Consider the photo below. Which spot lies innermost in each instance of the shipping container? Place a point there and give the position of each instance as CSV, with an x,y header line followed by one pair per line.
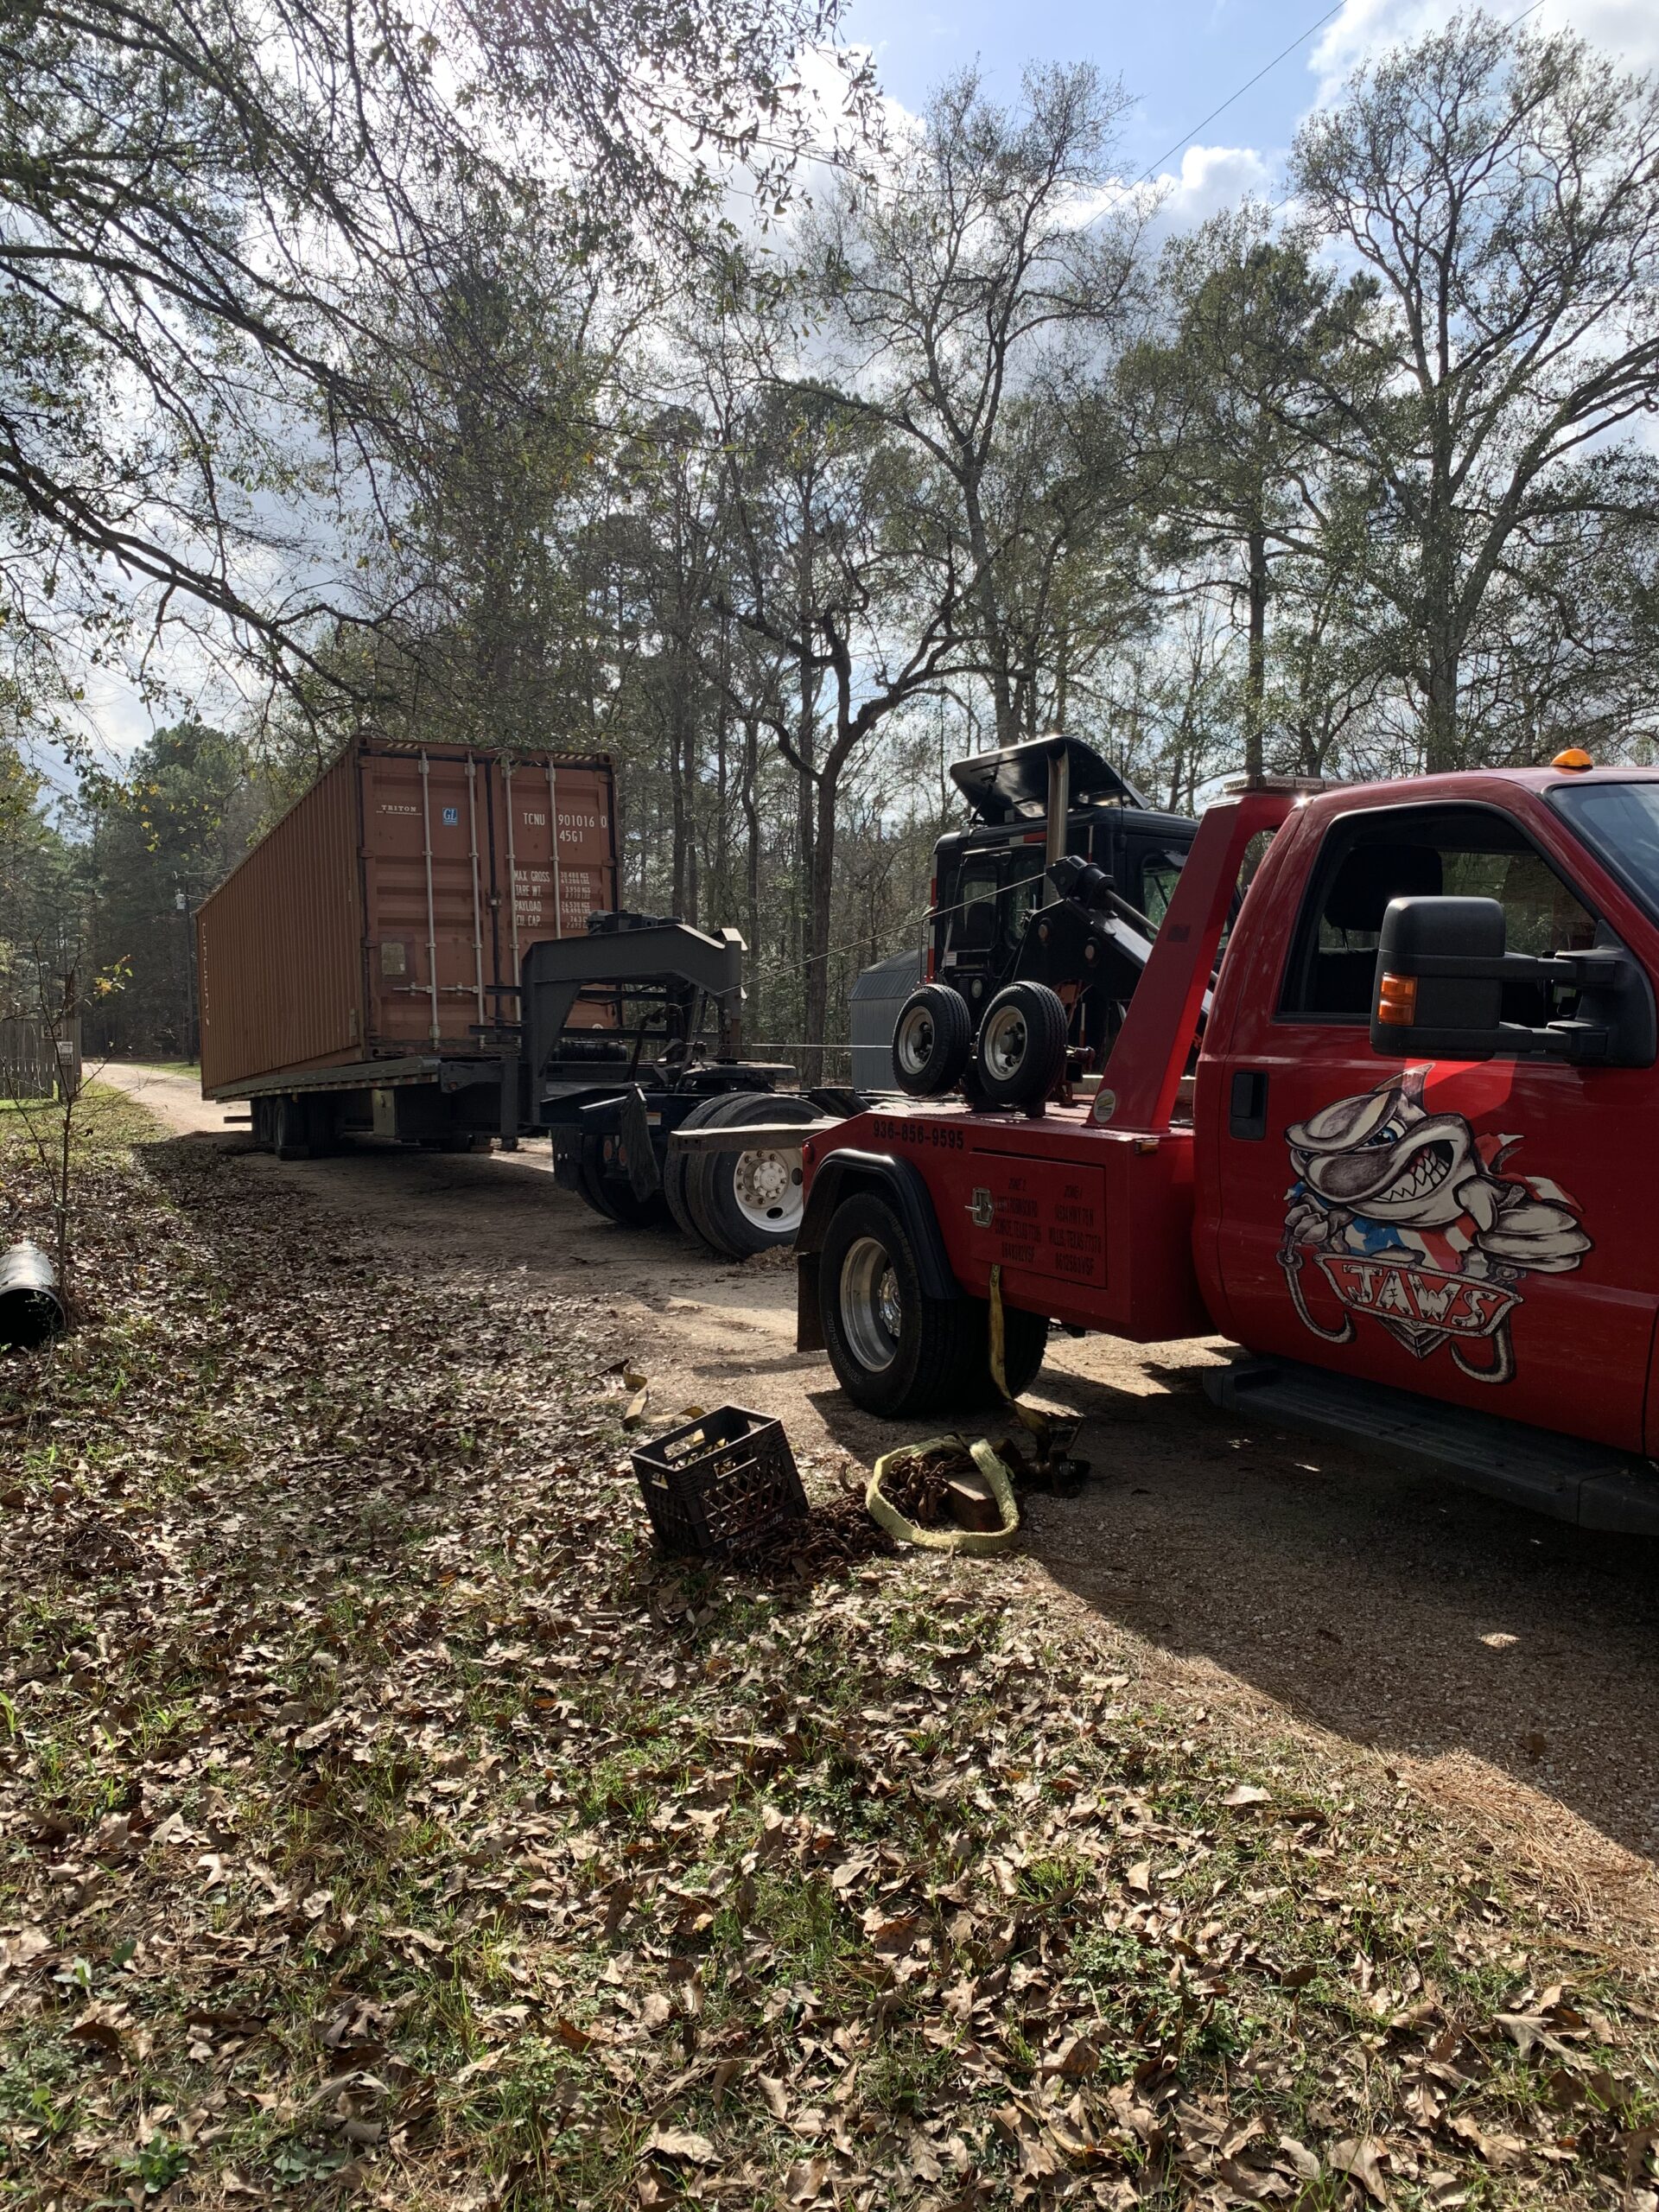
x,y
384,917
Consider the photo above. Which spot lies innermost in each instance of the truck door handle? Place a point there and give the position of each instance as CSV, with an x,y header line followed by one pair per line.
x,y
1246,1114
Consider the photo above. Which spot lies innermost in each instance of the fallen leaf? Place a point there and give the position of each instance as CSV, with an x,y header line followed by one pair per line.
x,y
681,2146
1076,2060
1360,2157
93,2027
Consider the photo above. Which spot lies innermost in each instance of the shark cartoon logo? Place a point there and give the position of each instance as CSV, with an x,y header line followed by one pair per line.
x,y
1410,1220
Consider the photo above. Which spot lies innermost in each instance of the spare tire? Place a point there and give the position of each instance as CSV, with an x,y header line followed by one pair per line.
x,y
932,1041
748,1202
1020,1054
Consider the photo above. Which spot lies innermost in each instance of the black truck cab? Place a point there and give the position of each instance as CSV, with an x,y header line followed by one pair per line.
x,y
992,886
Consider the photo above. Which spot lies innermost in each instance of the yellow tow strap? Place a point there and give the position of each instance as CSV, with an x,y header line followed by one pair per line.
x,y
1037,1423
949,1540
989,1462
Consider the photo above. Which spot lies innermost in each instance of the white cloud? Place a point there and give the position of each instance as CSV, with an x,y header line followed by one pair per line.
x,y
1626,29
1211,178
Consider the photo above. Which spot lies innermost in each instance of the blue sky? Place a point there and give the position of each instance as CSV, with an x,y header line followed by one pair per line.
x,y
1183,58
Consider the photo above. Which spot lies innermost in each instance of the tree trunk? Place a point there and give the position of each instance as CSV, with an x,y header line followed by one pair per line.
x,y
820,917
721,890
990,616
676,810
1442,746
1255,680
1442,738
752,829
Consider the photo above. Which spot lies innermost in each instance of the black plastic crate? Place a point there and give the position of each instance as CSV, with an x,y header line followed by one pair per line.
x,y
720,1483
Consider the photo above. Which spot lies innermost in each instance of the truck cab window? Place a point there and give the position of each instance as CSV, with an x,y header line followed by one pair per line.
x,y
977,890
1159,872
1027,889
1467,853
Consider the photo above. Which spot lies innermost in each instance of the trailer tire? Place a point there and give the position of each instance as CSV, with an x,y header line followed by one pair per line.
x,y
895,1351
677,1167
1021,1055
750,1202
613,1195
931,1041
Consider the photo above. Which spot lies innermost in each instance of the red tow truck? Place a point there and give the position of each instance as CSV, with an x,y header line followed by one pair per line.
x,y
1382,1111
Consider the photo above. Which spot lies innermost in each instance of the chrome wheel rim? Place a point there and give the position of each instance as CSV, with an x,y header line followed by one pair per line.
x,y
766,1190
872,1314
1003,1047
915,1041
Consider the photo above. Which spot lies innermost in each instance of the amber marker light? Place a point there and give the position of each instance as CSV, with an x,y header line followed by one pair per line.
x,y
1396,1001
1574,760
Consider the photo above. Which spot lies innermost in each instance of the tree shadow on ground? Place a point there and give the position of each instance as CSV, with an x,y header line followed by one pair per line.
x,y
1378,1600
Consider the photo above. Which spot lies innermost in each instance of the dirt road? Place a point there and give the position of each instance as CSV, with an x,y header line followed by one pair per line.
x,y
1503,1664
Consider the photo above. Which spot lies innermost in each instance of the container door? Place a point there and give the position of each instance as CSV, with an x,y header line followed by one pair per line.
x,y
426,867
555,853
1463,1230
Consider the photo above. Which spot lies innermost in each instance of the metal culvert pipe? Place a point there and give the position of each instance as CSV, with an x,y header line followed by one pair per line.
x,y
31,1306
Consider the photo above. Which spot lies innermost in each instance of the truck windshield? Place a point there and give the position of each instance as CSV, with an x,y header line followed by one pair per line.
x,y
1620,824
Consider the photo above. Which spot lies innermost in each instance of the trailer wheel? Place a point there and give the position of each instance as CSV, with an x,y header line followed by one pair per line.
x,y
1022,1055
932,1041
749,1202
895,1351
613,1195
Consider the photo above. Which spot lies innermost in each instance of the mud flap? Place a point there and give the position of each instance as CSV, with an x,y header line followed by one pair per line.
x,y
638,1153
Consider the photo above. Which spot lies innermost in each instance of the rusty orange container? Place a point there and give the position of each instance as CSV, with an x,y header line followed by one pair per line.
x,y
381,917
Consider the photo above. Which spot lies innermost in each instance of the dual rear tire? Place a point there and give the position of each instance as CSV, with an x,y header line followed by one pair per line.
x,y
740,1202
736,1203
895,1350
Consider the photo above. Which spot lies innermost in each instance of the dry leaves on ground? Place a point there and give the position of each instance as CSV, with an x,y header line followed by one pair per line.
x,y
380,1817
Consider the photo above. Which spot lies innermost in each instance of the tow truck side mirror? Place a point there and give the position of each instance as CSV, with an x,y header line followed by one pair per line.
x,y
1438,993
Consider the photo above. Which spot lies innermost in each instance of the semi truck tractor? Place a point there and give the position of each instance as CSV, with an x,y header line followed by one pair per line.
x,y
1380,1111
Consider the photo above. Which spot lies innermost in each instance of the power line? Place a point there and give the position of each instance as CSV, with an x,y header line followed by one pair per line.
x,y
1301,39
1152,169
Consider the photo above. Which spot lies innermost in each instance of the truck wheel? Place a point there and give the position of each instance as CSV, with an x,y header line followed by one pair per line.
x,y
1021,1055
932,1041
677,1166
895,1350
749,1202
613,1195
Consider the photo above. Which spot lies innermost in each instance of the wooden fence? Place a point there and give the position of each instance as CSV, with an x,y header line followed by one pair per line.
x,y
38,1058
